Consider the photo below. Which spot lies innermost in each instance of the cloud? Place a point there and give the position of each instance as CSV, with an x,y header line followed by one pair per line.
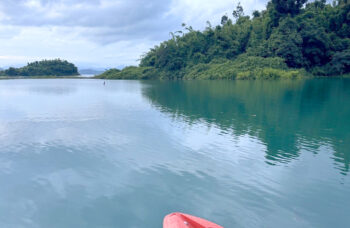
x,y
197,12
7,32
114,19
101,32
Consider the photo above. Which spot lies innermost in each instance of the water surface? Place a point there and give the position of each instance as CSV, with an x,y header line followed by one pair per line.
x,y
76,153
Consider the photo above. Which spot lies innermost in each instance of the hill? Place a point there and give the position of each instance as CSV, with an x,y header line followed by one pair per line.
x,y
90,71
55,67
290,38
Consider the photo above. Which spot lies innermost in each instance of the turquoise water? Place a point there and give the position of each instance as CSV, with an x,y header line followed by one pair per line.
x,y
75,153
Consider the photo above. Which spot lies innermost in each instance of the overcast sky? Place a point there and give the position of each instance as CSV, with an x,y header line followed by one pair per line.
x,y
99,33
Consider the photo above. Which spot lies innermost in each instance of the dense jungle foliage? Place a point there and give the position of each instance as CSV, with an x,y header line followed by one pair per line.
x,y
288,39
55,67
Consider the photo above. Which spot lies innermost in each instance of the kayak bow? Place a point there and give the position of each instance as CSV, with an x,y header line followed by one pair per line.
x,y
180,220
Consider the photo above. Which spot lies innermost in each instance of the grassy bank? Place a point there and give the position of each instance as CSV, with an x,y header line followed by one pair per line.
x,y
244,67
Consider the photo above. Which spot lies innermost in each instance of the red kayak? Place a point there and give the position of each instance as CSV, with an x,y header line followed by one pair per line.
x,y
180,220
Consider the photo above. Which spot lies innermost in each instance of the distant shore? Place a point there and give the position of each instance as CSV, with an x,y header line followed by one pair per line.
x,y
44,77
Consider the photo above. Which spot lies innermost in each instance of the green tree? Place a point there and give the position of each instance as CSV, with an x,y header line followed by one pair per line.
x,y
286,42
285,7
224,19
316,44
238,12
256,14
340,63
12,71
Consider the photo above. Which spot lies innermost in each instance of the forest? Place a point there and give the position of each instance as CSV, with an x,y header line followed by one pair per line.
x,y
54,67
289,39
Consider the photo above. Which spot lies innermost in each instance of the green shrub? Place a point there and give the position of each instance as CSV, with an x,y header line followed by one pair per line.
x,y
245,75
243,67
269,73
131,72
109,74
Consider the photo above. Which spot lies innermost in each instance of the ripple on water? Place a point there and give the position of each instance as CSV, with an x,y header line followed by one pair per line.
x,y
128,153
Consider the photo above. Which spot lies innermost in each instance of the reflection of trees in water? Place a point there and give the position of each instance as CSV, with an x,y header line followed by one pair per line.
x,y
279,113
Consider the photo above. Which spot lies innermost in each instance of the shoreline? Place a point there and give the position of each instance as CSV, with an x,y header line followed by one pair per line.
x,y
303,77
347,76
44,77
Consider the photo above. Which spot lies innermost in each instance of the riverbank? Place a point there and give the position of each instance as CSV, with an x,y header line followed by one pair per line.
x,y
244,67
263,74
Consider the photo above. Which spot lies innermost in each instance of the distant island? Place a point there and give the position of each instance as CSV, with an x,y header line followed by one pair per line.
x,y
289,39
43,68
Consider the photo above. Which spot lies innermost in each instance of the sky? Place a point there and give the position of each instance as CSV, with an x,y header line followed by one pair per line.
x,y
100,33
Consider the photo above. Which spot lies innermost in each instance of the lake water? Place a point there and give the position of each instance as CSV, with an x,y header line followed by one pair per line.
x,y
76,153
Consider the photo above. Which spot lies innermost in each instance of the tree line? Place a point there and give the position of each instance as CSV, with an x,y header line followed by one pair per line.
x,y
304,38
54,67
